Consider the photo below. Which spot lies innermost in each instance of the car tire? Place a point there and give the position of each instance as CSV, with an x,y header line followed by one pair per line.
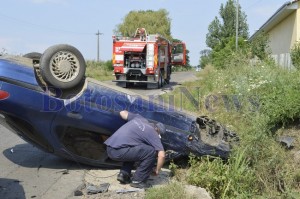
x,y
35,56
62,66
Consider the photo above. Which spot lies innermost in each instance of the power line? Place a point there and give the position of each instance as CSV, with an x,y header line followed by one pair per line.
x,y
41,26
253,4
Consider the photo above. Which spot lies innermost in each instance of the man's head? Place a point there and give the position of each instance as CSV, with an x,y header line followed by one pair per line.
x,y
160,128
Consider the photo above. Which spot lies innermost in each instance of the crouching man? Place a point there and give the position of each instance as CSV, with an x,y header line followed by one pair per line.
x,y
137,140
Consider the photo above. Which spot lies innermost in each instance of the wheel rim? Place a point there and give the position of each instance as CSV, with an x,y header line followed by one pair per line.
x,y
64,66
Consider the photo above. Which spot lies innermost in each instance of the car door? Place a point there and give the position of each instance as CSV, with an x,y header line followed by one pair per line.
x,y
84,122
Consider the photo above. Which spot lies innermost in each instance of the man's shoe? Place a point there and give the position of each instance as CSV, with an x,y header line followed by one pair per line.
x,y
140,185
123,178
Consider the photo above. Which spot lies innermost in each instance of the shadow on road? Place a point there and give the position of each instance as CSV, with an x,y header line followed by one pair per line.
x,y
170,87
144,86
26,155
11,188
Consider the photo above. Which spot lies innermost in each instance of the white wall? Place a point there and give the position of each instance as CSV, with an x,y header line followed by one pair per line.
x,y
282,37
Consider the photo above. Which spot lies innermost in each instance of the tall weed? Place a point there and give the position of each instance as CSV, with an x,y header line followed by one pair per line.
x,y
223,180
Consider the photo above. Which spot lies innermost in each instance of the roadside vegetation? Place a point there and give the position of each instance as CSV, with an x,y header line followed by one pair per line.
x,y
260,102
295,55
101,71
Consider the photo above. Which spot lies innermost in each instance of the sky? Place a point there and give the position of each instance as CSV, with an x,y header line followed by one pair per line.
x,y
34,25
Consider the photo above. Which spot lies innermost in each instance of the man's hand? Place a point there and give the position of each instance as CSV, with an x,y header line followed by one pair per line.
x,y
154,172
124,115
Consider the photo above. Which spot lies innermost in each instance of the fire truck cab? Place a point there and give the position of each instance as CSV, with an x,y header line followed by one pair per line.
x,y
146,59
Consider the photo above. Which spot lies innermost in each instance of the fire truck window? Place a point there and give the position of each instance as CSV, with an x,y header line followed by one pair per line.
x,y
177,49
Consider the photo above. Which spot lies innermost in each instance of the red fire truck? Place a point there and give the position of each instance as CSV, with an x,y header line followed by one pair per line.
x,y
146,59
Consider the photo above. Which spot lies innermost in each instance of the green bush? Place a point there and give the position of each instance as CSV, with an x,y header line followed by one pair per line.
x,y
223,57
108,65
295,55
260,46
223,180
205,58
99,70
181,68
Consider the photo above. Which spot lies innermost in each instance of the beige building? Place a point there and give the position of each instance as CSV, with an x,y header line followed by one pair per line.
x,y
283,28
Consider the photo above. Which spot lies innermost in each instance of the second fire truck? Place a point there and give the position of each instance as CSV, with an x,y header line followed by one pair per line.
x,y
146,59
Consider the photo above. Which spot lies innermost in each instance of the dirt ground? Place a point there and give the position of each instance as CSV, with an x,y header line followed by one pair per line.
x,y
96,177
120,191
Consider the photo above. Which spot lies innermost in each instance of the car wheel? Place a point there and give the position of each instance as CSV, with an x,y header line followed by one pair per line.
x,y
62,66
35,56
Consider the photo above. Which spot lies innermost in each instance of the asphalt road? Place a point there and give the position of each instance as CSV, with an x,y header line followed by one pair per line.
x,y
177,78
27,172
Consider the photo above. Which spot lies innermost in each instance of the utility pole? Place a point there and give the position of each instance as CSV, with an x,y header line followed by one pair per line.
x,y
237,25
98,50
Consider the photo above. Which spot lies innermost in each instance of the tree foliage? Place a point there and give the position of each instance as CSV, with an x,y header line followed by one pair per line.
x,y
260,46
153,21
295,55
227,56
221,36
219,31
205,57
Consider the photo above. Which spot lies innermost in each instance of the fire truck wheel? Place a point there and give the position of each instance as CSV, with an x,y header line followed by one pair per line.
x,y
156,85
121,84
62,66
169,71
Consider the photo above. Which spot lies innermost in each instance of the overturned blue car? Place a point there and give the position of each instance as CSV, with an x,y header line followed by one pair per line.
x,y
47,100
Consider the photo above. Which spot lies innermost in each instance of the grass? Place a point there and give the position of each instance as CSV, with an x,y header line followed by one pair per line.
x,y
260,102
174,190
99,71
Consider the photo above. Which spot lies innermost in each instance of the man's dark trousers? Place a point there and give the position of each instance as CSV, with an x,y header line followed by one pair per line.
x,y
144,154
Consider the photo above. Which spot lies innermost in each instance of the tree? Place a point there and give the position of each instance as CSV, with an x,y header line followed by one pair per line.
x,y
295,55
220,32
260,46
153,21
213,37
205,57
227,56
